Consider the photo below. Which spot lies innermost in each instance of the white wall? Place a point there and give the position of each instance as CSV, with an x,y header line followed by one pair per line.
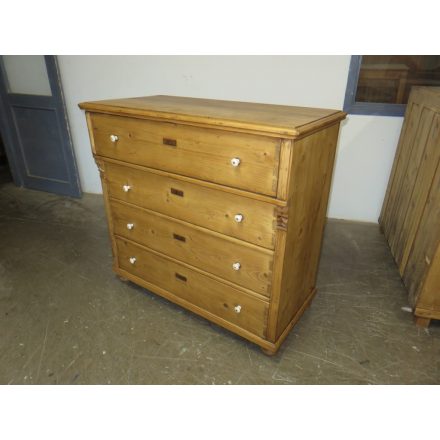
x,y
367,144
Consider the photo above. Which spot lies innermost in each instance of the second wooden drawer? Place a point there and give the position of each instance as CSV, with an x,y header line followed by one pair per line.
x,y
241,217
238,262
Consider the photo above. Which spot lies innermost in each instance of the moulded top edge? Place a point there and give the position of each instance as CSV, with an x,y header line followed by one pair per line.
x,y
280,120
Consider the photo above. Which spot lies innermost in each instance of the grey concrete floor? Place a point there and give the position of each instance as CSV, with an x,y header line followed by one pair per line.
x,y
66,319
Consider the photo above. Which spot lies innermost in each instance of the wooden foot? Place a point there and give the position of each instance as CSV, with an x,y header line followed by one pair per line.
x,y
122,278
422,322
268,352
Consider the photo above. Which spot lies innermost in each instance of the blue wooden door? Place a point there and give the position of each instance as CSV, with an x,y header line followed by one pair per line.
x,y
34,125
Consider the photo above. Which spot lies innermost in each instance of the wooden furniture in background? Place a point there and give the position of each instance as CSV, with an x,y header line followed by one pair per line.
x,y
218,206
384,83
410,217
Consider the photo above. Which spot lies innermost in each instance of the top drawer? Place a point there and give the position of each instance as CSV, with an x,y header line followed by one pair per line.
x,y
234,159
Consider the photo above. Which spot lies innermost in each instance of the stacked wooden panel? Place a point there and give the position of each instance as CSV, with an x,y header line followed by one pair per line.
x,y
410,217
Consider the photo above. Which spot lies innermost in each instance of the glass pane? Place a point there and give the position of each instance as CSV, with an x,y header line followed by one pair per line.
x,y
388,78
27,74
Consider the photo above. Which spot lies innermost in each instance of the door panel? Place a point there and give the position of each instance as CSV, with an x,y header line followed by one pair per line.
x,y
34,125
44,160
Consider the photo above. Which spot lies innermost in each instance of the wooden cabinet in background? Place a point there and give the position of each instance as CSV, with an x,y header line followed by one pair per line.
x,y
218,206
410,217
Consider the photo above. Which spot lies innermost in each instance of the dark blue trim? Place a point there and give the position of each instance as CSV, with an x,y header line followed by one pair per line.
x,y
353,76
365,108
63,124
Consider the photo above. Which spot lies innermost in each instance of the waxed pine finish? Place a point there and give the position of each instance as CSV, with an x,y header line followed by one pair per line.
x,y
218,206
410,217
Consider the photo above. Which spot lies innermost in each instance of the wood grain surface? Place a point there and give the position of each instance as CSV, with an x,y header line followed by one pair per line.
x,y
269,119
210,251
173,197
410,216
191,151
194,287
195,204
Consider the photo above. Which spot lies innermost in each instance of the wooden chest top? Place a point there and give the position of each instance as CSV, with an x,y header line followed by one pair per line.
x,y
276,120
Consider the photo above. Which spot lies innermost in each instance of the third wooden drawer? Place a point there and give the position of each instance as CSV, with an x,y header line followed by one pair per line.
x,y
241,263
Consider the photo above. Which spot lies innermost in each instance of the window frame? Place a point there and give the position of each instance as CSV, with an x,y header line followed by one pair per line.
x,y
366,108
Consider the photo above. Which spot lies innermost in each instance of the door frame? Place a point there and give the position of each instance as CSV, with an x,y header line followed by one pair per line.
x,y
9,135
6,134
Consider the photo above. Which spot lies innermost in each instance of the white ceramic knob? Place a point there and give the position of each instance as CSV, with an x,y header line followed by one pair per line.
x,y
238,218
236,266
235,162
114,138
132,260
130,226
126,188
237,309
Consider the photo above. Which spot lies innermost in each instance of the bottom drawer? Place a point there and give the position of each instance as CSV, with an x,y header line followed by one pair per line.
x,y
237,307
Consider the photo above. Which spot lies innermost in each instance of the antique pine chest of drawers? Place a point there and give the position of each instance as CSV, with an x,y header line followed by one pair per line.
x,y
218,206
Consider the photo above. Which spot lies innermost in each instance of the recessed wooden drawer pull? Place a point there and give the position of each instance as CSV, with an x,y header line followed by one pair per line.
x,y
179,237
177,192
238,218
237,309
235,162
170,142
236,266
126,188
114,138
132,260
180,277
130,226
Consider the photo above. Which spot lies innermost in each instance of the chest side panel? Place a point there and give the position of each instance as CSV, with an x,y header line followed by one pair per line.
x,y
299,236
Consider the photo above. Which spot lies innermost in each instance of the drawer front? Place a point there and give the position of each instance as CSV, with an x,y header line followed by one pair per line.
x,y
245,265
201,153
206,207
200,290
